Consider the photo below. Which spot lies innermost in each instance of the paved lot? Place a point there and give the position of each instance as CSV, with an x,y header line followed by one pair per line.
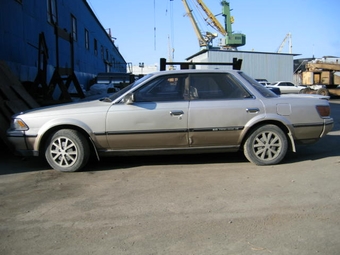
x,y
210,204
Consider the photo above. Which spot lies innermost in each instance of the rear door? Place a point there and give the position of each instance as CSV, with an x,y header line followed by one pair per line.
x,y
156,119
221,110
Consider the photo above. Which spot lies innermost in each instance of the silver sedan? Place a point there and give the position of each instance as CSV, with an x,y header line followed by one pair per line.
x,y
186,111
287,87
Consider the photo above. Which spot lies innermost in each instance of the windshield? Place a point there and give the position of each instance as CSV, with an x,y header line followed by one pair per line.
x,y
127,88
259,87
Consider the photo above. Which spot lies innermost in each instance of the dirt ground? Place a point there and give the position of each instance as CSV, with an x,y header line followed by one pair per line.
x,y
198,204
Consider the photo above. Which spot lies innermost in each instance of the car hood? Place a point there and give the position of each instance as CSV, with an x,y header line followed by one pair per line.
x,y
68,109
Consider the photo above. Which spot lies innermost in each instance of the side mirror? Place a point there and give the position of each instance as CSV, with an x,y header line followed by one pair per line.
x,y
129,98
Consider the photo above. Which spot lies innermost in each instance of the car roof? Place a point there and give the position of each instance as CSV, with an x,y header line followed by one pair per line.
x,y
282,81
184,71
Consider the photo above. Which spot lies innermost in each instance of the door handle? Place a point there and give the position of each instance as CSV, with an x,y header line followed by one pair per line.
x,y
176,113
252,110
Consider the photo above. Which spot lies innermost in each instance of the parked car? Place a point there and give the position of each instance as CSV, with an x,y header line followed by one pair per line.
x,y
276,90
185,111
261,80
286,87
264,83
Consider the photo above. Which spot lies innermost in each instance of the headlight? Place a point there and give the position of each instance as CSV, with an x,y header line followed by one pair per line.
x,y
18,124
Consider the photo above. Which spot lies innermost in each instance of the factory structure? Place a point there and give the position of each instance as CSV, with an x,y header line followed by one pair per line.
x,y
51,52
56,48
258,65
56,45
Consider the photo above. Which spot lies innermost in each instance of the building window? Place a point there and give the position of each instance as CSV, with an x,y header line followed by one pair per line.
x,y
74,27
102,51
52,11
95,45
87,39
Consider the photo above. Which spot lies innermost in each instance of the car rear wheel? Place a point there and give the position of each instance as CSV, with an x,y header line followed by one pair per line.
x,y
266,145
67,150
323,92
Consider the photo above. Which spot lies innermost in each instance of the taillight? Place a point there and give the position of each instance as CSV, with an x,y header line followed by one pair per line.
x,y
323,110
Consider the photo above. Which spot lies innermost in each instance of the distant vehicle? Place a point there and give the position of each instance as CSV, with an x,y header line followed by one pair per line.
x,y
287,87
174,112
261,80
265,83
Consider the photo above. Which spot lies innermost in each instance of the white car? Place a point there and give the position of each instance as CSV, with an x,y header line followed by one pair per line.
x,y
287,87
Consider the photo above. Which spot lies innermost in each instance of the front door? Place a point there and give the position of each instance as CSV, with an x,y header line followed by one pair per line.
x,y
156,119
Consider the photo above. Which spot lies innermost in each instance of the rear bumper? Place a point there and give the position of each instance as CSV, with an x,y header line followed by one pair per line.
x,y
328,126
307,134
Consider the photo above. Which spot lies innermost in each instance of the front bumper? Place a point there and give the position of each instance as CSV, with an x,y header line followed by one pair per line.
x,y
23,144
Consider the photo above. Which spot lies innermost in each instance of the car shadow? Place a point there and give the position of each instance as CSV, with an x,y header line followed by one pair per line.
x,y
324,148
126,162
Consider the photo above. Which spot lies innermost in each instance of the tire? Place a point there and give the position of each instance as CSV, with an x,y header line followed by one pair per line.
x,y
323,92
303,91
266,145
67,159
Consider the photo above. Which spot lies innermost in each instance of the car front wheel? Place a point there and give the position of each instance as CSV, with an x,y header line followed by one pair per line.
x,y
266,145
67,150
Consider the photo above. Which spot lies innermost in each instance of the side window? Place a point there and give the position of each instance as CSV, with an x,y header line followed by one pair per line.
x,y
217,86
167,88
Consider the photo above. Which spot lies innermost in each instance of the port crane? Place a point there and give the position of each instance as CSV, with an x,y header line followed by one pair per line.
x,y
204,40
231,40
289,38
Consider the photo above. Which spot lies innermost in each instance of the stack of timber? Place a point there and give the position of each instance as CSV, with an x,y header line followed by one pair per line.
x,y
13,99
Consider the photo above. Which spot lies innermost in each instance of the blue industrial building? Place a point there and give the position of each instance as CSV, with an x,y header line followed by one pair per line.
x,y
42,41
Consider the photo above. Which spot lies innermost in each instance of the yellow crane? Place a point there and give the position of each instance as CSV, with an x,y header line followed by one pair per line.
x,y
231,40
204,40
211,16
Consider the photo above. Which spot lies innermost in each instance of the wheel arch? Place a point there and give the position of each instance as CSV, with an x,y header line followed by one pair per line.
x,y
44,137
277,123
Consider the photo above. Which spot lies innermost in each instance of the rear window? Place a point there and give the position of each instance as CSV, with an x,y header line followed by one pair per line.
x,y
259,87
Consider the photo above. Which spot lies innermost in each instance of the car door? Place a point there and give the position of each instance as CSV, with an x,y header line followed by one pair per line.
x,y
219,114
157,118
287,87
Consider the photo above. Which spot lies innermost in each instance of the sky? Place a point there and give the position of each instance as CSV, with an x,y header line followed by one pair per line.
x,y
147,30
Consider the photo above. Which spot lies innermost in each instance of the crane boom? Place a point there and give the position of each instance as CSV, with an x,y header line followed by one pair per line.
x,y
212,17
204,41
288,37
231,40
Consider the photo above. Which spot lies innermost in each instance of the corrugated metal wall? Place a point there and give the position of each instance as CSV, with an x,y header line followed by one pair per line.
x,y
259,65
21,22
